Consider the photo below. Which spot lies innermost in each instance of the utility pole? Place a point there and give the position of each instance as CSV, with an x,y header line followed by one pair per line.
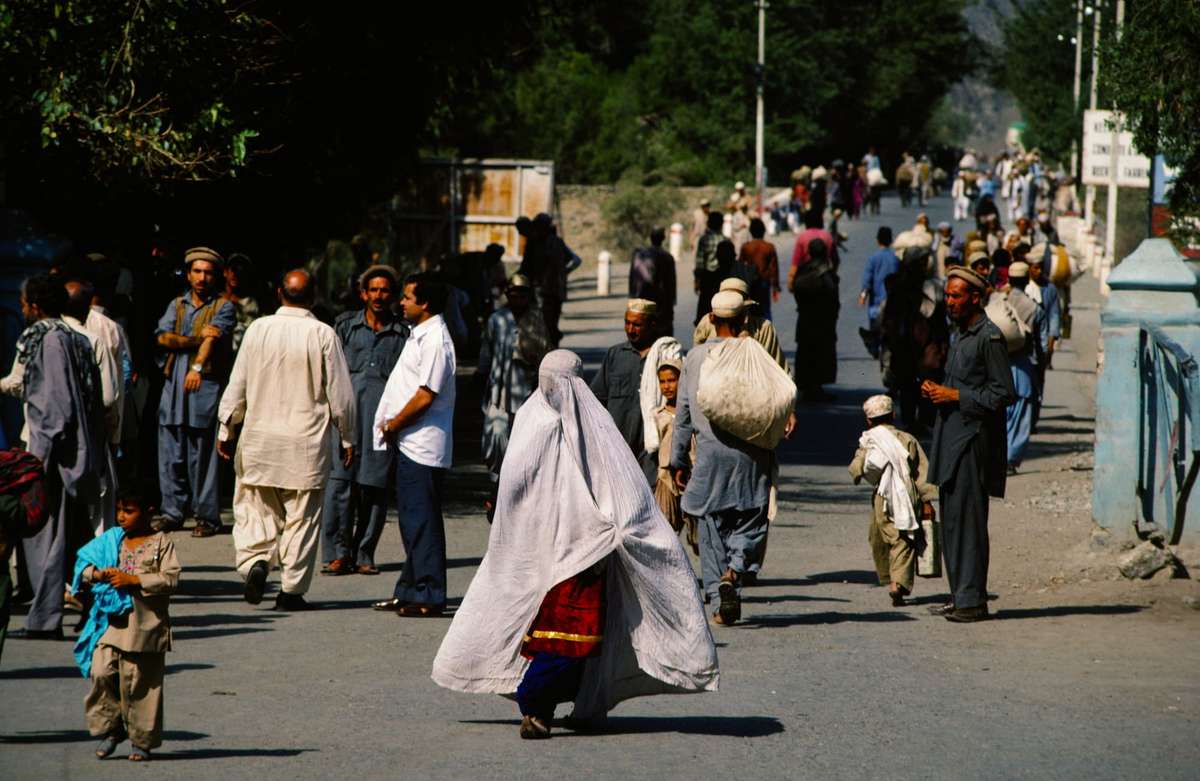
x,y
759,77
1110,224
1075,104
1089,203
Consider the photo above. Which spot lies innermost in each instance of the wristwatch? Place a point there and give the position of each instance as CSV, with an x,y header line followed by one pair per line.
x,y
197,367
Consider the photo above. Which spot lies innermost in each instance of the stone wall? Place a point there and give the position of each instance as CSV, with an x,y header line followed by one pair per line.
x,y
581,214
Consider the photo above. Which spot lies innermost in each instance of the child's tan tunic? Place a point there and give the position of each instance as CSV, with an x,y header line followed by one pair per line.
x,y
127,666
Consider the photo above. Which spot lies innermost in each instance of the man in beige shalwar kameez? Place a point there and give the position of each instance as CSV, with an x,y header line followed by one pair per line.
x,y
289,383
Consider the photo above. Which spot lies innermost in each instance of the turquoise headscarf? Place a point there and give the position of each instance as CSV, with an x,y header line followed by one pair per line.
x,y
101,553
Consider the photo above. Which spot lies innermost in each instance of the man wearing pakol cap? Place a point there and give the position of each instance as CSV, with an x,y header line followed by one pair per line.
x,y
652,276
1024,362
514,342
618,382
893,462
728,489
585,594
194,342
968,459
753,325
356,498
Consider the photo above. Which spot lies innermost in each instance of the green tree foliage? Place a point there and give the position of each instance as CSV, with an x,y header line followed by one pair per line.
x,y
679,105
635,210
1153,75
1038,70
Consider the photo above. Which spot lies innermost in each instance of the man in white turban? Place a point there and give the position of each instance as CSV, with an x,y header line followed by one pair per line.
x,y
585,593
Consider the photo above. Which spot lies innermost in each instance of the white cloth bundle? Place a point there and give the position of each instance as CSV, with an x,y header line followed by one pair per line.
x,y
651,399
571,493
1002,314
887,469
744,392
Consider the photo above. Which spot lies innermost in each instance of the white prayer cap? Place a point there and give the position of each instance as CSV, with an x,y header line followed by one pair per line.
x,y
740,186
673,362
878,406
728,304
642,306
1019,270
736,284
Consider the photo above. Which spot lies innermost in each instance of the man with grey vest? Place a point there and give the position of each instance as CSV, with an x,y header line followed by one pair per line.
x,y
968,460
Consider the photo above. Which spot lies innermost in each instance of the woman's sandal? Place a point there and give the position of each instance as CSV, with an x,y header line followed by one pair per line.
x,y
137,754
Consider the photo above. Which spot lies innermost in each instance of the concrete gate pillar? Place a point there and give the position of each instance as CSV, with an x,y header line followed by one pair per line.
x,y
1153,286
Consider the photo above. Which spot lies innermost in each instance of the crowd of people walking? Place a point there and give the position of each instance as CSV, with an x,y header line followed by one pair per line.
x,y
319,423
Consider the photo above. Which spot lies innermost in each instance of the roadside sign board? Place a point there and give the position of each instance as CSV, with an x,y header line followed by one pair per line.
x,y
1133,169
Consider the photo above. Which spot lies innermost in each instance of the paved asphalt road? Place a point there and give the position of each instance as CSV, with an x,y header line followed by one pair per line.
x,y
824,680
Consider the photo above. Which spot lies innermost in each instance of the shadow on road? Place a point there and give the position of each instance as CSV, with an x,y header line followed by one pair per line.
x,y
790,598
217,619
719,726
1068,610
200,634
36,673
80,735
220,753
827,617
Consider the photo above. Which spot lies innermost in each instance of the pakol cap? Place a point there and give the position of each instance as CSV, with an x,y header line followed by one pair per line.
x,y
878,406
967,275
728,304
642,306
978,256
378,270
203,253
1019,270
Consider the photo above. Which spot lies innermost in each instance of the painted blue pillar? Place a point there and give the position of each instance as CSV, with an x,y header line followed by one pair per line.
x,y
1154,286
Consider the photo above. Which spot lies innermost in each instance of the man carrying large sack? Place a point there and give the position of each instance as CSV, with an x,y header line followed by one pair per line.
x,y
729,487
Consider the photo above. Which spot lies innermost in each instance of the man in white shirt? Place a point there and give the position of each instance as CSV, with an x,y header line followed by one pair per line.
x,y
416,417
289,383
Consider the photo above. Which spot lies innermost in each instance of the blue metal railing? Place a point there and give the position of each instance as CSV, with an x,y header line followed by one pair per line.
x,y
1168,432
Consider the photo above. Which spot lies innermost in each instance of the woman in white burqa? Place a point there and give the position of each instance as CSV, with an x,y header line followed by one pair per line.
x,y
574,512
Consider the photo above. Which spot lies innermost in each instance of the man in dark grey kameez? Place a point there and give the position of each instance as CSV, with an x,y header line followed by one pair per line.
x,y
617,384
969,456
356,498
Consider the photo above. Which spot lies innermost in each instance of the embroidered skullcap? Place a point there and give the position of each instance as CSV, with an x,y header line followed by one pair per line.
x,y
878,406
736,284
967,275
378,270
642,306
675,363
519,282
1019,270
203,253
728,303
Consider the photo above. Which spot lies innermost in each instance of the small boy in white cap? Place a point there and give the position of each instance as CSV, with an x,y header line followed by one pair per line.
x,y
893,462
